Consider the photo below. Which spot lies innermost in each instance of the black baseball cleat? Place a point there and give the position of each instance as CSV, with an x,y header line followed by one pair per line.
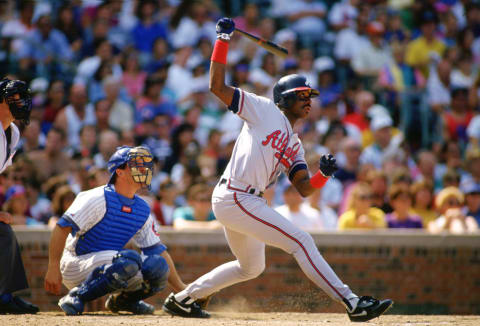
x,y
26,306
369,308
115,303
182,309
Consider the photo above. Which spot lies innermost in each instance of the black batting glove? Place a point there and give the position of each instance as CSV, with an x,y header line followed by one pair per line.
x,y
328,165
225,27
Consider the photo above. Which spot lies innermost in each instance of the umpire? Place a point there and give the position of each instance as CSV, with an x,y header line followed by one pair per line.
x,y
15,104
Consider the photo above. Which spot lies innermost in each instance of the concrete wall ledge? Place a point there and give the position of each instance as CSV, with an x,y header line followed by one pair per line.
x,y
380,238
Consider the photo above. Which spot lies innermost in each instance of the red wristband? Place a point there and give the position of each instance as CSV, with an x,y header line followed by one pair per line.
x,y
318,180
220,52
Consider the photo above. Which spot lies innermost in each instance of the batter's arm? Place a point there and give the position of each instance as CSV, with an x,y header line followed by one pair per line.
x,y
174,279
217,83
301,182
53,278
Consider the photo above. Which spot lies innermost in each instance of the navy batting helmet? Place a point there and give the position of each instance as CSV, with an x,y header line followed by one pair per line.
x,y
285,89
19,107
139,159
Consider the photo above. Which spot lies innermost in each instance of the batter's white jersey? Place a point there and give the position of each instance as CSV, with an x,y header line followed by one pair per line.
x,y
7,152
266,145
89,207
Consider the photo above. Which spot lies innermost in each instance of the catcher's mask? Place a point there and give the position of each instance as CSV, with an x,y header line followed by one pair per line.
x,y
18,98
139,160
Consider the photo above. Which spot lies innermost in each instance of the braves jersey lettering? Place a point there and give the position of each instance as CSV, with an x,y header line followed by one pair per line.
x,y
260,153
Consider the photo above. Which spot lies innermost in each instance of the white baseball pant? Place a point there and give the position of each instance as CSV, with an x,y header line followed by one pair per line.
x,y
249,224
75,269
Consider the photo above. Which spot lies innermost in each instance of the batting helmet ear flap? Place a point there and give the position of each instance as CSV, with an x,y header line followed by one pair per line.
x,y
287,100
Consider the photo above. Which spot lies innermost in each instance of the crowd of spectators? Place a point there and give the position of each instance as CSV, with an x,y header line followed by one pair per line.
x,y
398,106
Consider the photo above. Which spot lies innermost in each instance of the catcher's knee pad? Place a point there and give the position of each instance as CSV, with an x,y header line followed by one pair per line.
x,y
155,272
125,265
108,278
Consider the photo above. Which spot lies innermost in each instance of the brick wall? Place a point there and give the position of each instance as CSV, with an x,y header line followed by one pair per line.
x,y
421,273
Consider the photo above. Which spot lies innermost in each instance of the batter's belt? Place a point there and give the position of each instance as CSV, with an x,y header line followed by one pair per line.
x,y
239,186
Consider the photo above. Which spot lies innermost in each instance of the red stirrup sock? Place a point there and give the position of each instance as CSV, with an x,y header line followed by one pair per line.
x,y
220,52
318,180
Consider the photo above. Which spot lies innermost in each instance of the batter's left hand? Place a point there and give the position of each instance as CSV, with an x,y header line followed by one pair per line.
x,y
328,165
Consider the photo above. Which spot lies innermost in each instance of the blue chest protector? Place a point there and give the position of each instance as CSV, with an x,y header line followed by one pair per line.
x,y
122,220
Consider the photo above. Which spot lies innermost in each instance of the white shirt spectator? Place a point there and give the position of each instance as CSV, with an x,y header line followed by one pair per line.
x,y
178,79
312,26
438,93
88,66
347,43
188,32
370,58
473,129
75,124
307,218
459,79
343,13
332,193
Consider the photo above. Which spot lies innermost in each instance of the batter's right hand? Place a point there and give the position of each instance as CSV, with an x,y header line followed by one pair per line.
x,y
328,165
53,281
225,27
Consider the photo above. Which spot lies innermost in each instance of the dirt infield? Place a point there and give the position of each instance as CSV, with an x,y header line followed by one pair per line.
x,y
229,318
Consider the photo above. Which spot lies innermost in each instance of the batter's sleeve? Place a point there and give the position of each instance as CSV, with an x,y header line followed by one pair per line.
x,y
147,238
250,107
87,209
298,161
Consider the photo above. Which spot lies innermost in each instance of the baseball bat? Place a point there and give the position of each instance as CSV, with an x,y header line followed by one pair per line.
x,y
267,45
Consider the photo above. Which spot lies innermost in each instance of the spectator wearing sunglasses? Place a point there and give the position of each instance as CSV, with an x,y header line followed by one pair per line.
x,y
360,212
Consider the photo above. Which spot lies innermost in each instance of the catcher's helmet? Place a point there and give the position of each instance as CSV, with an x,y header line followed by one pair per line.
x,y
139,159
285,89
19,107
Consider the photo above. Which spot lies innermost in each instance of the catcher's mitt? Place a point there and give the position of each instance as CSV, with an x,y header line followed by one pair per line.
x,y
203,302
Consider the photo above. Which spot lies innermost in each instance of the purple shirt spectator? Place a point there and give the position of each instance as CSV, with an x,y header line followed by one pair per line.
x,y
412,222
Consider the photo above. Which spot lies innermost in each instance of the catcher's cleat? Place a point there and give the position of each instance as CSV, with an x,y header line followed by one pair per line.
x,y
71,304
369,308
182,309
115,303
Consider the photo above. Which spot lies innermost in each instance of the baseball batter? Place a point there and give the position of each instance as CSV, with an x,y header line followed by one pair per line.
x,y
266,147
15,103
92,234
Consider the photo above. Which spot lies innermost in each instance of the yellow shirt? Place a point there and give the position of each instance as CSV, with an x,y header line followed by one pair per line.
x,y
349,221
426,215
418,53
368,138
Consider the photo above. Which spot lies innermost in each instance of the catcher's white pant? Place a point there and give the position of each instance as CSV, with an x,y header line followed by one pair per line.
x,y
75,269
249,224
